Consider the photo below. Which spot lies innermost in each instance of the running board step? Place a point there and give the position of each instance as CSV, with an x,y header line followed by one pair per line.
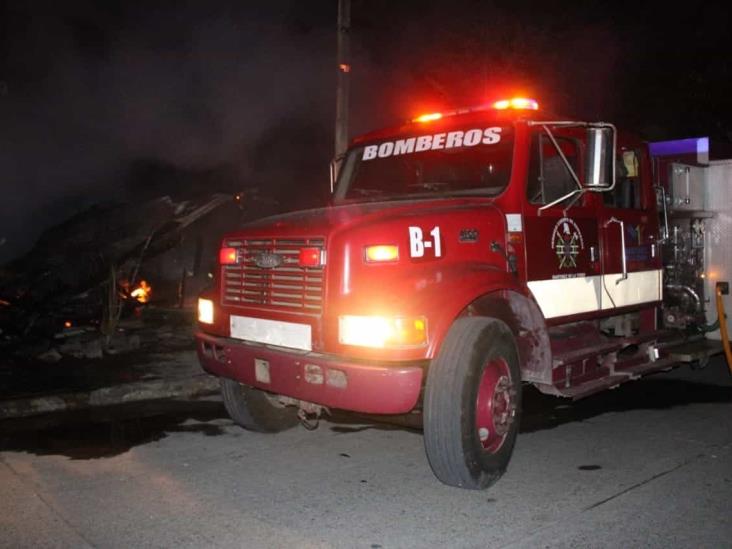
x,y
611,381
601,348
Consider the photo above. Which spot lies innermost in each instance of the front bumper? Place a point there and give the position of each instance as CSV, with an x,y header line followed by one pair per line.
x,y
326,380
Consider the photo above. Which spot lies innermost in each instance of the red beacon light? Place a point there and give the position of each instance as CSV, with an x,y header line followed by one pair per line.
x,y
310,257
228,256
518,103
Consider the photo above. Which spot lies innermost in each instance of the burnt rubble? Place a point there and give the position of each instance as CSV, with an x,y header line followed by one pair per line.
x,y
73,294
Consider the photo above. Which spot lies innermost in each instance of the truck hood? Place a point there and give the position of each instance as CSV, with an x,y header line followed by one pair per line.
x,y
321,221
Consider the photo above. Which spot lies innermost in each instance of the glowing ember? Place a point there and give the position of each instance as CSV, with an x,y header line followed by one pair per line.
x,y
142,292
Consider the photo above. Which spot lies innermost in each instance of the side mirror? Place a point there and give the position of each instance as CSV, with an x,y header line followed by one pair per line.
x,y
600,157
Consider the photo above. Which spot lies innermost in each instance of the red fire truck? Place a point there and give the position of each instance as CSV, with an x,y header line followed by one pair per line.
x,y
462,254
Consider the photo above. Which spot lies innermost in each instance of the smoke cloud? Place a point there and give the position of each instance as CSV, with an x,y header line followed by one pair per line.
x,y
91,89
101,98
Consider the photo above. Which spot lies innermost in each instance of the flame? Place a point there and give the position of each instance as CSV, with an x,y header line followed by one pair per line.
x,y
142,292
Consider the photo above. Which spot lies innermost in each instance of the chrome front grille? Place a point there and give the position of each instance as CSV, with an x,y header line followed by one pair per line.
x,y
286,287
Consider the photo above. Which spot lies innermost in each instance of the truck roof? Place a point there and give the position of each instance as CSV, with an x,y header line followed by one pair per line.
x,y
484,114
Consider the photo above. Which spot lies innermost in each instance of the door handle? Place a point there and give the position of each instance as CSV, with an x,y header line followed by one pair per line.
x,y
622,246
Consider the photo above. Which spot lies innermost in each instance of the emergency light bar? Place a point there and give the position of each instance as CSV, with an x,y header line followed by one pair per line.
x,y
518,103
428,117
515,103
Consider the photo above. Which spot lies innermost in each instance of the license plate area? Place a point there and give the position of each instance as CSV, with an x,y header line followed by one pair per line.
x,y
271,332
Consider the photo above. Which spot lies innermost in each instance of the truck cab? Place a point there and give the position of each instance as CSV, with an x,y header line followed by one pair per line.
x,y
462,255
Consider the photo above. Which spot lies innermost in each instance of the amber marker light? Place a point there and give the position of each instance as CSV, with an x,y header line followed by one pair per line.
x,y
428,117
518,103
381,253
205,311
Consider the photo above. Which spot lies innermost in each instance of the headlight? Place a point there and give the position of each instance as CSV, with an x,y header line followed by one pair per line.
x,y
205,311
382,332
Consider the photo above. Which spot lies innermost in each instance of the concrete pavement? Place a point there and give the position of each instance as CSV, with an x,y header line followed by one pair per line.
x,y
646,465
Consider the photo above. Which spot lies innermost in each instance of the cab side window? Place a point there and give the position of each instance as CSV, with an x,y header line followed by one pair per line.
x,y
627,191
549,177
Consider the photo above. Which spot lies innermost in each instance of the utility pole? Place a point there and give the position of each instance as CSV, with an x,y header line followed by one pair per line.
x,y
344,68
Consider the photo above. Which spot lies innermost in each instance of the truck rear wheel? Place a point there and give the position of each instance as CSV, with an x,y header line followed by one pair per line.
x,y
255,410
472,404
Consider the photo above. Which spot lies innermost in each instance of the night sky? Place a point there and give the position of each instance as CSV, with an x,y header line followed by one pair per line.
x,y
108,100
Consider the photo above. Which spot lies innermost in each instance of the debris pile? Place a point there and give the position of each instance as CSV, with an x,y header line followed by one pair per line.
x,y
83,288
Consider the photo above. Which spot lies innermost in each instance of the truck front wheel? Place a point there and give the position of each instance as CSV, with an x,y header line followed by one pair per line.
x,y
472,403
255,410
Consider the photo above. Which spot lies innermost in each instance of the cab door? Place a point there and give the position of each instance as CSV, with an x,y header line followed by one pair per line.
x,y
628,226
563,268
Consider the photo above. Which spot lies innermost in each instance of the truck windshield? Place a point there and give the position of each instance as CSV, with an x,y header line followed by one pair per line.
x,y
473,161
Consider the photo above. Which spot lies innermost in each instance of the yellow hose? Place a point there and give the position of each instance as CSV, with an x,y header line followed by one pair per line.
x,y
723,328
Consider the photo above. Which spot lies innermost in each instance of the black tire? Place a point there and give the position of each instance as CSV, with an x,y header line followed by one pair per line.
x,y
255,410
455,449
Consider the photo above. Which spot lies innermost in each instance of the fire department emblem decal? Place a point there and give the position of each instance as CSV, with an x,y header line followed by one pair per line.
x,y
567,242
